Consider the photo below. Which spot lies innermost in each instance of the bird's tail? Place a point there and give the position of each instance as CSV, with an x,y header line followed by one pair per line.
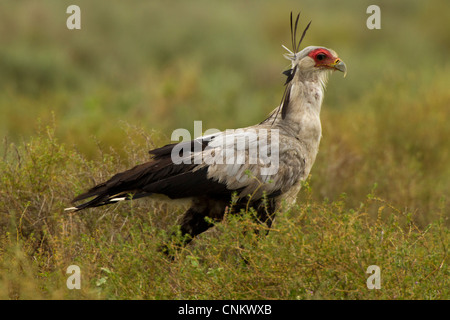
x,y
160,175
113,199
122,186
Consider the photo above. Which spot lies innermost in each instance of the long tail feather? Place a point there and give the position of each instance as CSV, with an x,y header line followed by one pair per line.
x,y
96,202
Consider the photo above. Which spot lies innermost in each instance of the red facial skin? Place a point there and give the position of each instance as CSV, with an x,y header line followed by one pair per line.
x,y
323,57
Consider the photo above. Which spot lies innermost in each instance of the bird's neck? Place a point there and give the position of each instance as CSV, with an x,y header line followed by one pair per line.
x,y
302,115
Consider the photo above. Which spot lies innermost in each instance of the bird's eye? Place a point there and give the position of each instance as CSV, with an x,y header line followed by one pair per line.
x,y
321,56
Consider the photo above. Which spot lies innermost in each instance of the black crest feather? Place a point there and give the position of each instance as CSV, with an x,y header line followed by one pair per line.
x,y
290,73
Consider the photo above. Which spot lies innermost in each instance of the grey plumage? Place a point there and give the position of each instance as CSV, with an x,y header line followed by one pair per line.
x,y
263,164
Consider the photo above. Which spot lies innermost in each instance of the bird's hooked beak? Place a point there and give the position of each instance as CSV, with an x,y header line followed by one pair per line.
x,y
338,64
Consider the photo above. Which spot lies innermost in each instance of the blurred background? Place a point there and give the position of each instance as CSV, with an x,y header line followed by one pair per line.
x,y
160,65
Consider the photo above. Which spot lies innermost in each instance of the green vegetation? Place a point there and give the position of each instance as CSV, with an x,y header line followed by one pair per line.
x,y
78,106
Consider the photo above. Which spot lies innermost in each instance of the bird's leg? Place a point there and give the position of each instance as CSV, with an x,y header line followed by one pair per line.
x,y
195,221
192,224
265,214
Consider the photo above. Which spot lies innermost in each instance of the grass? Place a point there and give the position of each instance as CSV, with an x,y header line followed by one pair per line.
x,y
317,250
89,103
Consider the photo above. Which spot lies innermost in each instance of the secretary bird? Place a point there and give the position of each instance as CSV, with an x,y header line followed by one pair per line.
x,y
263,165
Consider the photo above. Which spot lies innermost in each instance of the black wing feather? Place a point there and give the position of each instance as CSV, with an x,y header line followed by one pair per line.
x,y
160,176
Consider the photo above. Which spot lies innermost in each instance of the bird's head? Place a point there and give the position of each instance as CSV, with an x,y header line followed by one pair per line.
x,y
311,59
318,59
310,64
